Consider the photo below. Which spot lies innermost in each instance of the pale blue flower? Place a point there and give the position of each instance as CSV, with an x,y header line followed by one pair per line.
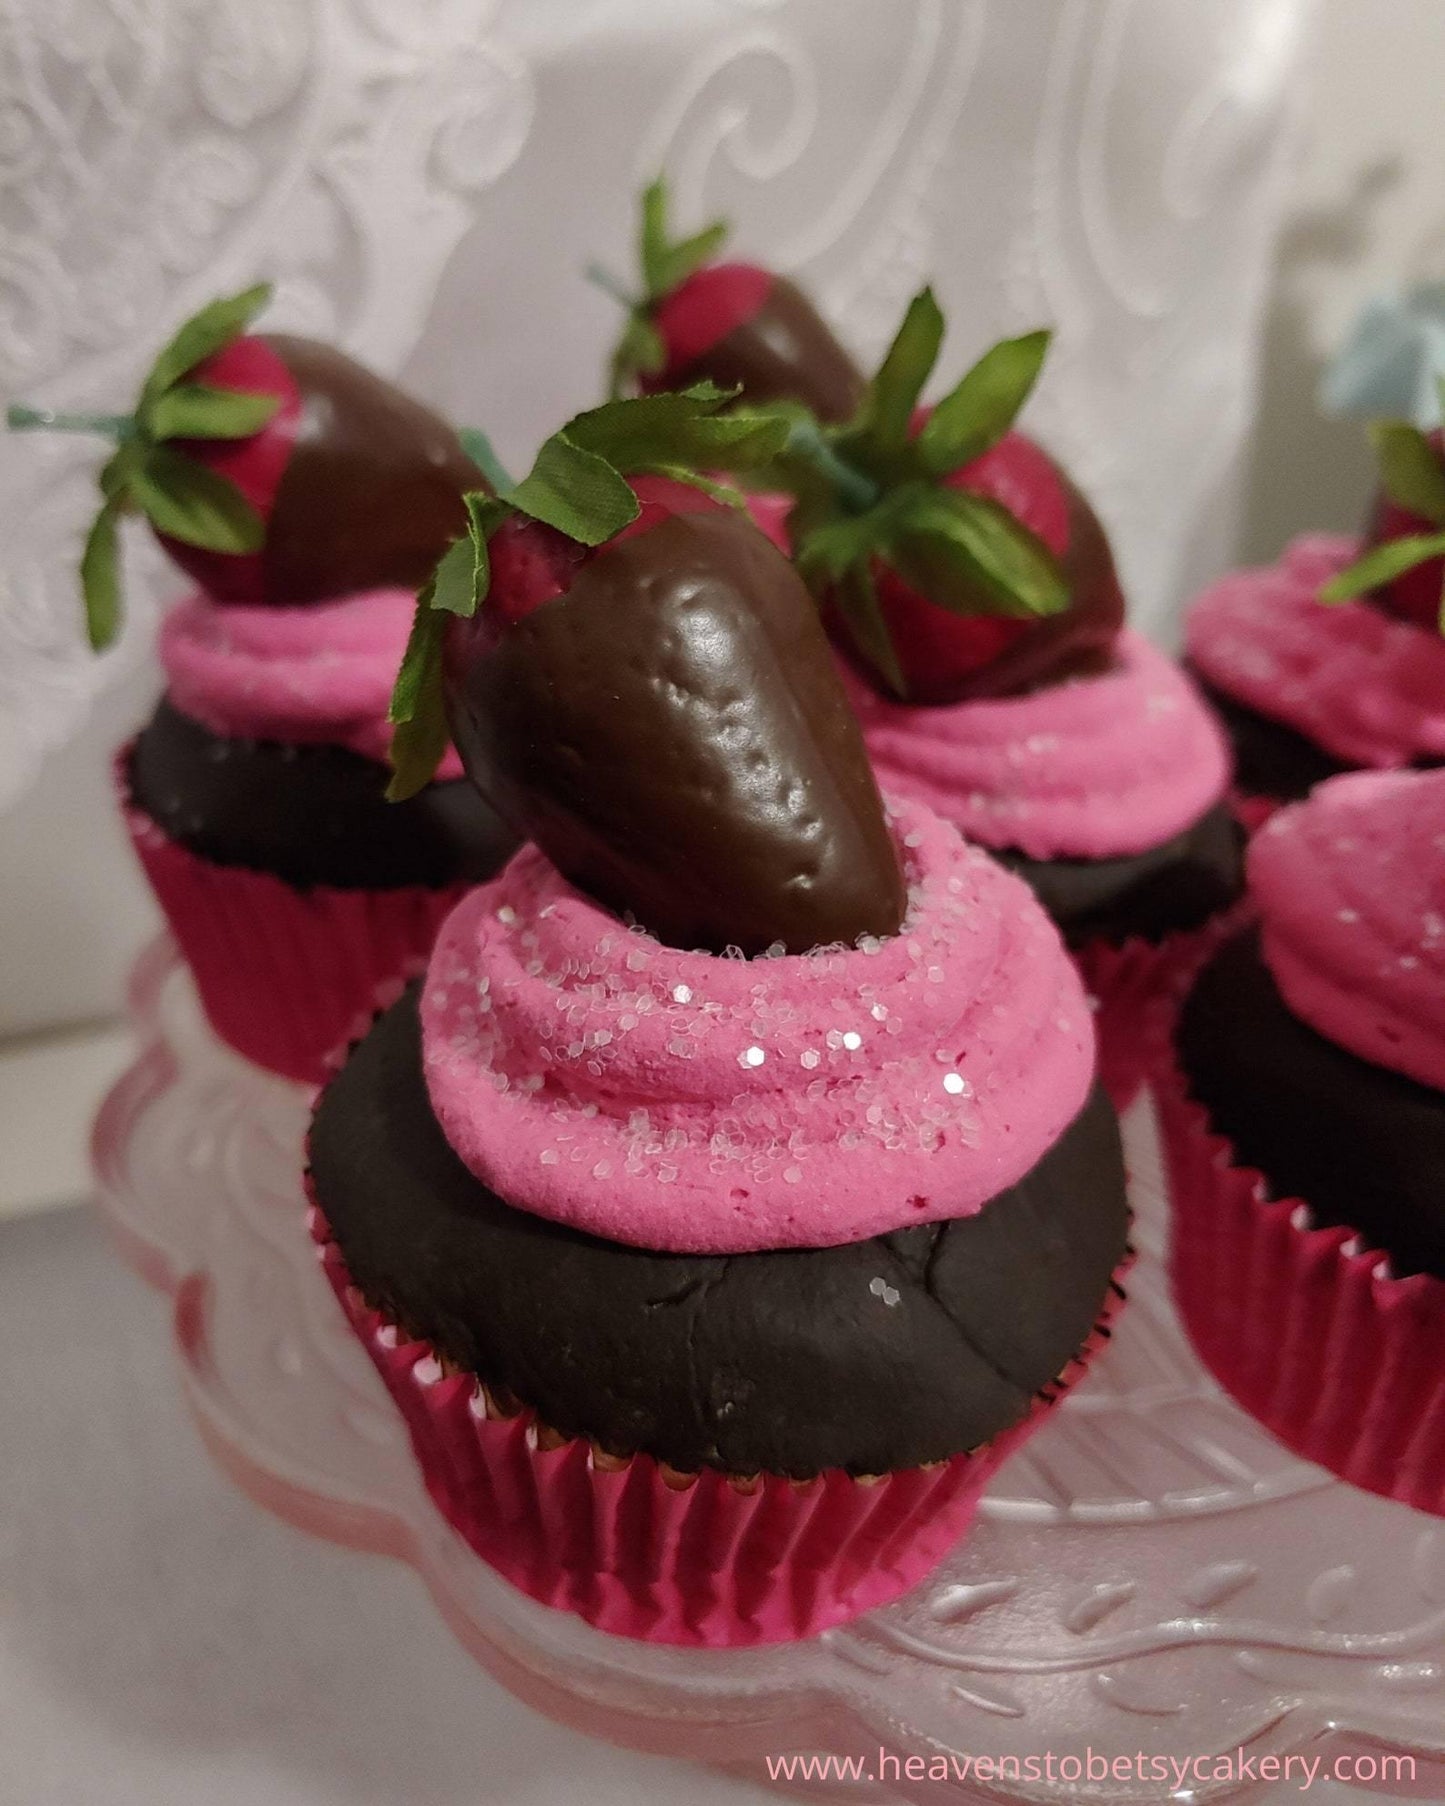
x,y
1390,365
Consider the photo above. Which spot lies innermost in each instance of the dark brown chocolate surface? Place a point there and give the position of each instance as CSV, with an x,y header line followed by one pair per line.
x,y
308,814
785,352
371,494
786,1362
1270,758
673,735
1172,887
1362,1146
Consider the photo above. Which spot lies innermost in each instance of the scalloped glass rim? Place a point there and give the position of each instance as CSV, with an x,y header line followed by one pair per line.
x,y
1153,1572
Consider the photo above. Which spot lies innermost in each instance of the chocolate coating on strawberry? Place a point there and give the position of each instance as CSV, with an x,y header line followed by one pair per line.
x,y
671,732
369,490
762,336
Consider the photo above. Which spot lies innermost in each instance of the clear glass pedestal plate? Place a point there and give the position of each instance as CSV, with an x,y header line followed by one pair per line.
x,y
1152,1577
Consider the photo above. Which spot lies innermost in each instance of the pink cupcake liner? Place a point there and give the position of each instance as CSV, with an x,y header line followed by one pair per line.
x,y
1303,1326
1135,987
637,1550
287,977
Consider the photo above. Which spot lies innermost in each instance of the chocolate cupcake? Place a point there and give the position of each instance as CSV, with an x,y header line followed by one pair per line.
x,y
734,1193
308,499
973,596
1305,1132
1331,659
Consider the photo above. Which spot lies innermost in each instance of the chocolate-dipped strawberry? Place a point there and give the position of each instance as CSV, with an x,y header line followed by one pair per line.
x,y
954,557
273,469
1402,569
735,324
637,679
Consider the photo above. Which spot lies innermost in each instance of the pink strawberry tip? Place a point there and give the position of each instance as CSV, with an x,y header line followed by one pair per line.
x,y
611,472
1412,475
876,494
149,474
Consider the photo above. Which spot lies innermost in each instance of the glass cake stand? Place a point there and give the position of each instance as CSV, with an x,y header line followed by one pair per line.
x,y
1152,1575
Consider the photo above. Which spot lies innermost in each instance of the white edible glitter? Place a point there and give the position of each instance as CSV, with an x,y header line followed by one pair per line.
x,y
682,993
852,1040
955,1084
752,1056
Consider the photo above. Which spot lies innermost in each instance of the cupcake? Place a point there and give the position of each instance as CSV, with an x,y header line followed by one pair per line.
x,y
1332,659
734,1193
307,499
1305,1137
737,325
973,597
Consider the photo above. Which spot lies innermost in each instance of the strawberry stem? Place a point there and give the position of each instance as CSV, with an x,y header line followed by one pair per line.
x,y
602,278
857,492
115,427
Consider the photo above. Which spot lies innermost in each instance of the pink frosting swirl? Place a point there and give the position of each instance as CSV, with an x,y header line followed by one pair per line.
x,y
1351,892
319,674
1097,768
681,1101
1367,688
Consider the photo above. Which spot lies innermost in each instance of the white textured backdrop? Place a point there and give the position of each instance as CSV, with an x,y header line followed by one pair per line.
x,y
425,180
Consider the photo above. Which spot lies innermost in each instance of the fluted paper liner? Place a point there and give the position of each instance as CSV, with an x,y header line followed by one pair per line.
x,y
1134,987
634,1549
286,976
1304,1327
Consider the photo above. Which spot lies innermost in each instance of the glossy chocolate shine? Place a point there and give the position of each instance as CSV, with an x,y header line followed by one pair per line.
x,y
672,734
784,352
371,495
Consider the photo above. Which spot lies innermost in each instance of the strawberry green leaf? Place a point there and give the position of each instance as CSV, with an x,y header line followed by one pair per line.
x,y
117,471
188,502
417,710
970,555
684,428
1410,468
977,414
464,573
640,352
100,575
576,491
857,602
204,333
887,410
197,411
688,255
727,493
824,554
1383,565
478,447
652,237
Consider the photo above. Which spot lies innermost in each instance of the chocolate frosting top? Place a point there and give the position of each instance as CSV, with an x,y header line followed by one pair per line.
x,y
673,735
371,493
783,352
